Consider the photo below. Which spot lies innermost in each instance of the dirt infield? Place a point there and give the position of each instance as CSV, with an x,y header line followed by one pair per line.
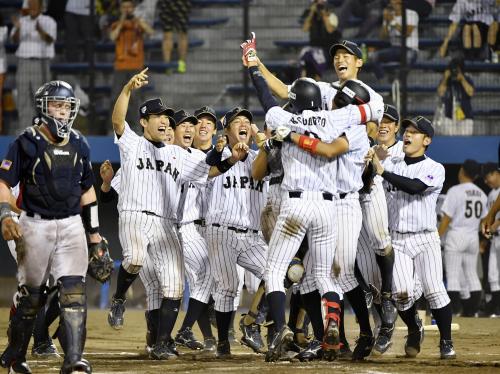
x,y
477,343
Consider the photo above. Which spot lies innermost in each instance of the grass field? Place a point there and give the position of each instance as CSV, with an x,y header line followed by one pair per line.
x,y
477,343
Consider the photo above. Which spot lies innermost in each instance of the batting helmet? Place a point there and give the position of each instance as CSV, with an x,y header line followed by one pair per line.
x,y
351,92
304,95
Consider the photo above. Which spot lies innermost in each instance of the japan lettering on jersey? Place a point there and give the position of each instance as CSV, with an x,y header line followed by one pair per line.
x,y
465,204
237,199
153,174
414,213
189,208
304,171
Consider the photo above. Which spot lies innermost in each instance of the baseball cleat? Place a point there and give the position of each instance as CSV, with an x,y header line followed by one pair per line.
x,y
364,345
19,368
446,350
414,340
383,341
187,339
389,311
223,350
312,352
251,336
278,347
163,351
331,341
115,315
210,345
345,352
80,366
44,348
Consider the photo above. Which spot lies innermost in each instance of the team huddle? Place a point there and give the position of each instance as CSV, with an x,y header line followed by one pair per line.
x,y
330,205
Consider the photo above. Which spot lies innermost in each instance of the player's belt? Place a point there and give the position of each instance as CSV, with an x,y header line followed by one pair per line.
x,y
235,229
200,222
342,195
298,194
150,213
276,180
43,216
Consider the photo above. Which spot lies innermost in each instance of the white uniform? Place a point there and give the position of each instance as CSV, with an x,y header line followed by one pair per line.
x,y
11,243
233,223
473,11
308,204
147,206
412,223
465,204
494,259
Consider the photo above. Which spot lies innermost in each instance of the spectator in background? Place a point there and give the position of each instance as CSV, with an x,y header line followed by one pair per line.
x,y
128,35
107,12
36,34
78,29
477,17
370,12
493,34
422,7
4,32
174,16
321,24
392,28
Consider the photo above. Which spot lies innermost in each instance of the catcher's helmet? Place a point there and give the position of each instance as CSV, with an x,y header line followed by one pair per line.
x,y
57,91
304,95
350,92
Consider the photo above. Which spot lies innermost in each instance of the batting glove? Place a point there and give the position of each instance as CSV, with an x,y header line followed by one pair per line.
x,y
249,49
282,134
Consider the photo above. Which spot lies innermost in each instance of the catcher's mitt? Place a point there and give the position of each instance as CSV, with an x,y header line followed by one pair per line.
x,y
100,262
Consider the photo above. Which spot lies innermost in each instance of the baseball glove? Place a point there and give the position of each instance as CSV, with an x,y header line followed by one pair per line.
x,y
100,262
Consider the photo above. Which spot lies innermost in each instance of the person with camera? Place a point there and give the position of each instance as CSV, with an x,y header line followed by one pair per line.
x,y
320,23
128,34
455,91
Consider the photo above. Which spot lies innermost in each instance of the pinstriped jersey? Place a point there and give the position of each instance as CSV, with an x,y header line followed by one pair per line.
x,y
116,181
275,169
328,92
304,171
189,208
394,151
350,165
465,204
153,173
414,213
237,199
492,197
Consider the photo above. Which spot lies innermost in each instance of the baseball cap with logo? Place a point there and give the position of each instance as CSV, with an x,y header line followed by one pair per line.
x,y
206,111
351,47
155,106
391,112
233,113
183,116
421,123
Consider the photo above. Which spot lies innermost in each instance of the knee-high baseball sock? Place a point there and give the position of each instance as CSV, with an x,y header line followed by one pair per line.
x,y
40,329
124,281
312,304
360,278
471,305
357,300
169,310
152,318
294,311
223,323
276,301
204,323
456,304
343,339
443,320
195,308
386,265
409,317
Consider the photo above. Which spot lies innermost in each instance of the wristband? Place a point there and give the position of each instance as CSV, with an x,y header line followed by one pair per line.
x,y
224,166
5,211
308,144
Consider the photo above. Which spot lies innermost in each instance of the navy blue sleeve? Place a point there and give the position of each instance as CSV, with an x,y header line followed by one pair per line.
x,y
11,165
408,185
88,178
265,97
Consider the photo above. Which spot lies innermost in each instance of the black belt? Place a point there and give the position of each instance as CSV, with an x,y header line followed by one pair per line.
x,y
342,195
235,229
200,222
298,194
150,213
43,216
276,180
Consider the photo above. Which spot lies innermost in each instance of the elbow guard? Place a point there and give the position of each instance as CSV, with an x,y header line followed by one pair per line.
x,y
90,218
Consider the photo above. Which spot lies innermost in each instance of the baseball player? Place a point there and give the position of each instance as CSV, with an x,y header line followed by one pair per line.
x,y
52,164
492,179
233,219
413,184
463,208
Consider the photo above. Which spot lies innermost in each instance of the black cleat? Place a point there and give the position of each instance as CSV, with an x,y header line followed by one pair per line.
x,y
163,351
115,315
80,366
389,311
383,341
187,339
251,336
312,352
210,345
364,345
414,340
19,368
223,350
331,341
279,344
44,349
446,349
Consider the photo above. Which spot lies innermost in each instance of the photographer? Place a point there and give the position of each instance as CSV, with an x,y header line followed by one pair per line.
x,y
321,24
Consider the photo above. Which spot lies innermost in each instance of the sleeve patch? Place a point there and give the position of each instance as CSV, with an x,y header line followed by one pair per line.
x,y
5,165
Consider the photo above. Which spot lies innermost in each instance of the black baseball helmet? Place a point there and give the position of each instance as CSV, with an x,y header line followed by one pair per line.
x,y
58,91
304,95
350,92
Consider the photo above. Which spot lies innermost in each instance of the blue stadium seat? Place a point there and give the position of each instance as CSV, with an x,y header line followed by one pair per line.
x,y
204,3
200,22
